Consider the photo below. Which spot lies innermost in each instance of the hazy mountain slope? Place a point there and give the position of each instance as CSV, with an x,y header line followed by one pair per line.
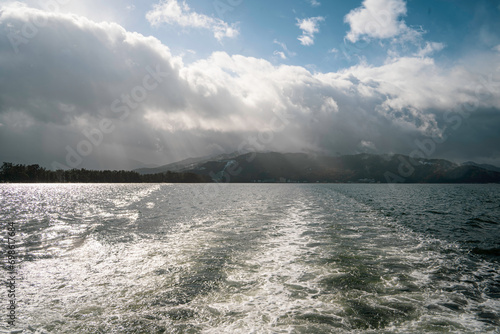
x,y
300,167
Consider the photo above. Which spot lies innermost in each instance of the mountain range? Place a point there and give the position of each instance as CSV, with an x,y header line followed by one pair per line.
x,y
302,167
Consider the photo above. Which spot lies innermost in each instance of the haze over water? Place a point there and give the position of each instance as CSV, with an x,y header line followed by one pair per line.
x,y
256,258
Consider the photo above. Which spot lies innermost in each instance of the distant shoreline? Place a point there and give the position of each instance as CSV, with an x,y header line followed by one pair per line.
x,y
272,168
10,173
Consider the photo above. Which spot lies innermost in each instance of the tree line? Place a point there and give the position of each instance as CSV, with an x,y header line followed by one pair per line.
x,y
18,173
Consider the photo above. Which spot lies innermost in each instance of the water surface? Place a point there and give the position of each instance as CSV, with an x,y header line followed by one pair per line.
x,y
255,258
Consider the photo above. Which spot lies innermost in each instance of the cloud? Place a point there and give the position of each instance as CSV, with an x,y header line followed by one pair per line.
x,y
314,3
378,19
60,88
306,40
173,12
430,48
283,54
367,146
280,54
309,27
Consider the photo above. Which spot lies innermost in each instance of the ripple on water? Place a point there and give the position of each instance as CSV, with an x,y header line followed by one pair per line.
x,y
137,259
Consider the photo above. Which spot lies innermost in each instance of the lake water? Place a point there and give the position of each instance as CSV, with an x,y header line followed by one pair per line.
x,y
253,258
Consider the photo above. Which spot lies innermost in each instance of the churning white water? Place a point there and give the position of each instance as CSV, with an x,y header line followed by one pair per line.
x,y
254,258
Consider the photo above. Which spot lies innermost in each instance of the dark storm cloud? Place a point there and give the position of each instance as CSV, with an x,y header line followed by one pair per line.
x,y
114,96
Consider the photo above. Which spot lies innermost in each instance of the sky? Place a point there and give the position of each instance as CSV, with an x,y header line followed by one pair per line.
x,y
126,84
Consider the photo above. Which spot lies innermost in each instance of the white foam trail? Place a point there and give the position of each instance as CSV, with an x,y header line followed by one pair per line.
x,y
274,272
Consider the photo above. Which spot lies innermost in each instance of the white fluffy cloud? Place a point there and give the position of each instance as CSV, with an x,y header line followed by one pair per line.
x,y
378,19
309,27
173,12
61,87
